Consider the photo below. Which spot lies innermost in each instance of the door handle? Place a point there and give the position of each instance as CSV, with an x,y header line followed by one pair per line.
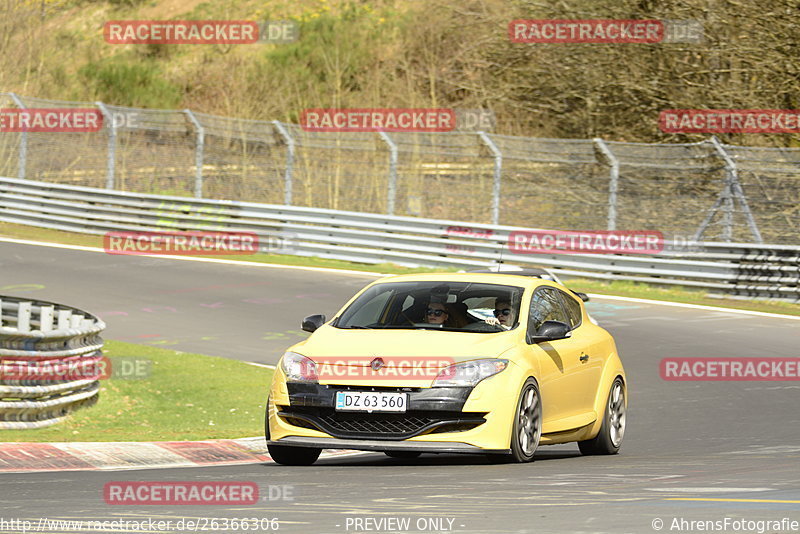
x,y
584,357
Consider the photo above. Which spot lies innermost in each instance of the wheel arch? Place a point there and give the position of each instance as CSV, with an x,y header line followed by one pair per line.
x,y
612,370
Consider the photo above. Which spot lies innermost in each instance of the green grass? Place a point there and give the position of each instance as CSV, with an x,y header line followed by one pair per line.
x,y
616,288
185,397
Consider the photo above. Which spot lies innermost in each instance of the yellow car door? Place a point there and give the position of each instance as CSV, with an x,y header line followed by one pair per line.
x,y
591,340
561,381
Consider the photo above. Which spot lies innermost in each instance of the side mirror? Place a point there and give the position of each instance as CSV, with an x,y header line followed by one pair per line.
x,y
550,331
312,322
583,296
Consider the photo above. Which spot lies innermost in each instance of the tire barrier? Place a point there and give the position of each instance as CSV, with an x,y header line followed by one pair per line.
x,y
50,362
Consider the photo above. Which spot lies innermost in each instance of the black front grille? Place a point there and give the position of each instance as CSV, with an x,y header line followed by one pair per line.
x,y
380,425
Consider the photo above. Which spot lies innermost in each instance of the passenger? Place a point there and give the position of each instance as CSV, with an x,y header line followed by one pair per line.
x,y
436,313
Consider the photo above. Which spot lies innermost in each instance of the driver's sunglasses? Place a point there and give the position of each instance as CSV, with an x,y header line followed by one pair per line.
x,y
435,313
506,311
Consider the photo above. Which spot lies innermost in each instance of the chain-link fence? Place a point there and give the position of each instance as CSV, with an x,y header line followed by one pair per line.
x,y
705,190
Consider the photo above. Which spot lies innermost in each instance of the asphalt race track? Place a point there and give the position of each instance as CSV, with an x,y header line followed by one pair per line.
x,y
692,451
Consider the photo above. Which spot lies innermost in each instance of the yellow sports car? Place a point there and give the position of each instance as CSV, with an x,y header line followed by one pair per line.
x,y
485,363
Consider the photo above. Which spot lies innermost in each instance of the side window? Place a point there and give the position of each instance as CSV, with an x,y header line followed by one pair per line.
x,y
545,306
573,309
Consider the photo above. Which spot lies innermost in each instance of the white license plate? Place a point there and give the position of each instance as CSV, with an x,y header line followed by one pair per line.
x,y
370,401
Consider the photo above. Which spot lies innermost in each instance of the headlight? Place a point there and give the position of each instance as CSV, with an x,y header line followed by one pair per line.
x,y
469,373
298,368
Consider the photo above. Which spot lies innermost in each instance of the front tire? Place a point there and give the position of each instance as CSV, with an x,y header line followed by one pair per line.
x,y
527,430
286,455
609,439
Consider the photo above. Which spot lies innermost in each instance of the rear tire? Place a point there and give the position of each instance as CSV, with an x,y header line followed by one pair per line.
x,y
402,455
609,439
527,429
286,455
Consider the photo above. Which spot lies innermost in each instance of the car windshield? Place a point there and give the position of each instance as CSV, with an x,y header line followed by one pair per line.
x,y
452,306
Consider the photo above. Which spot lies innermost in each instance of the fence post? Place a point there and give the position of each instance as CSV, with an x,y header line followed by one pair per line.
x,y
391,194
498,173
198,153
735,192
111,157
289,171
613,181
22,161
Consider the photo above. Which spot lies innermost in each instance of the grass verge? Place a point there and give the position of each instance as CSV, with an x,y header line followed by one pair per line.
x,y
184,396
616,288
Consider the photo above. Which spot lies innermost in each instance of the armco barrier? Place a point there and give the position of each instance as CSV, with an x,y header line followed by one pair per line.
x,y
752,270
42,346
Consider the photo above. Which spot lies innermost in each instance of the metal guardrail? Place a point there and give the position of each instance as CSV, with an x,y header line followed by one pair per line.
x,y
41,346
749,269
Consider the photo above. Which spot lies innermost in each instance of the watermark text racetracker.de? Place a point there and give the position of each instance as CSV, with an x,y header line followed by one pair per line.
x,y
181,243
605,31
582,242
76,368
199,32
726,524
193,493
54,120
729,369
378,119
729,121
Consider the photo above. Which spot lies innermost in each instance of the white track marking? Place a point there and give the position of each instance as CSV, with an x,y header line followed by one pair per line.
x,y
709,489
260,365
189,258
695,306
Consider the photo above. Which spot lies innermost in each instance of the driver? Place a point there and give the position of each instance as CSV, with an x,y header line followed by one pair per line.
x,y
503,314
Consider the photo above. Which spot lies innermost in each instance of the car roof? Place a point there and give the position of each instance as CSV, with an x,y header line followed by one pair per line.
x,y
488,277
536,272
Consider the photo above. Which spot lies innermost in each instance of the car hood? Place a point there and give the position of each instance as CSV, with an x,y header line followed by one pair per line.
x,y
409,357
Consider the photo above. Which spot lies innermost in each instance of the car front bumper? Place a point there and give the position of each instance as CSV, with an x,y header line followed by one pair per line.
x,y
380,445
464,419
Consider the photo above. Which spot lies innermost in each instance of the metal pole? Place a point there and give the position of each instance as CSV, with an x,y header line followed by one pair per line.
x,y
112,144
498,173
23,142
613,181
198,153
391,195
287,176
736,190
